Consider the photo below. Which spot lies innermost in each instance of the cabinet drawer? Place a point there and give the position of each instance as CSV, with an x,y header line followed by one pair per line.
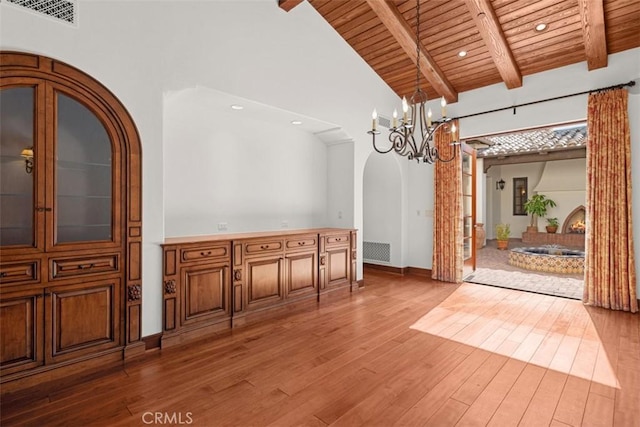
x,y
338,240
69,267
302,242
263,246
204,252
26,271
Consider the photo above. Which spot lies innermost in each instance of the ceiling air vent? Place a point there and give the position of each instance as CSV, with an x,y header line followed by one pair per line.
x,y
384,121
61,10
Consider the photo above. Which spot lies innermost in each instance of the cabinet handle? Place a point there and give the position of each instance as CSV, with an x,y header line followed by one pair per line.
x,y
3,274
84,267
301,243
39,209
263,247
205,253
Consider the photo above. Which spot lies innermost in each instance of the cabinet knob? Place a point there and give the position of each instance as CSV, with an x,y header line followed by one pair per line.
x,y
3,274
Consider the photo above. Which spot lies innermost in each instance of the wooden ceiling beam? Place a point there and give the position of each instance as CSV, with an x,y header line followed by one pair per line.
x,y
489,27
595,38
404,35
287,5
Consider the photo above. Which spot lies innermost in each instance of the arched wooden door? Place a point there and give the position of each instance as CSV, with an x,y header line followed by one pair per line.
x,y
70,218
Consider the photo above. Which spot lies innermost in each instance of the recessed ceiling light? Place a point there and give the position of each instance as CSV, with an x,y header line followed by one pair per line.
x,y
541,27
236,107
462,53
296,122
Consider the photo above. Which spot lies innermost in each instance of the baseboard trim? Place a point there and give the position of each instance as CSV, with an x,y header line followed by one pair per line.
x,y
400,270
419,271
152,342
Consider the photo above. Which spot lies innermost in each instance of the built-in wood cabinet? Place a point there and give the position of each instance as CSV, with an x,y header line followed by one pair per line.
x,y
217,282
70,220
197,285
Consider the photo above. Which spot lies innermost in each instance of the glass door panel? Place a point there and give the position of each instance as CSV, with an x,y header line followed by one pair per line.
x,y
468,208
17,106
84,203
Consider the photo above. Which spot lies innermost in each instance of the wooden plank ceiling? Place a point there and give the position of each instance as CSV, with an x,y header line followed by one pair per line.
x,y
498,36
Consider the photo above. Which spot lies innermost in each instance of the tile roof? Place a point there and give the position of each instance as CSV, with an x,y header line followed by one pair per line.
x,y
532,141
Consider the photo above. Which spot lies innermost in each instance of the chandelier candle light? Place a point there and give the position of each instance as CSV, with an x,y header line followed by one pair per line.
x,y
403,139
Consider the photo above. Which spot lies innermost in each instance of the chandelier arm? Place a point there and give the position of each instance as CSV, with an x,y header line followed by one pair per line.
x,y
375,147
399,144
424,130
453,155
398,140
411,142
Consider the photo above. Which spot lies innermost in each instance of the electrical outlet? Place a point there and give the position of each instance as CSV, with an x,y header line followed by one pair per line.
x,y
222,226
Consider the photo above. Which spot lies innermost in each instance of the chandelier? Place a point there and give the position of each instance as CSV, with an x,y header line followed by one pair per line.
x,y
403,137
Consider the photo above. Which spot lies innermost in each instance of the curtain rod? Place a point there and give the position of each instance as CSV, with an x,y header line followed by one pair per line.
x,y
618,86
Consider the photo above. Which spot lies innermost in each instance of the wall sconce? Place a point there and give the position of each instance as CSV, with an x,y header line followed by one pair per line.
x,y
500,184
27,153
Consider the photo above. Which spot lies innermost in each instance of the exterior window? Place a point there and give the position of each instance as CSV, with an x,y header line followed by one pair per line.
x,y
520,195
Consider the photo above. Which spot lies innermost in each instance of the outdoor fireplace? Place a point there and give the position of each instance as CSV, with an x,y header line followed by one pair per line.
x,y
572,235
575,221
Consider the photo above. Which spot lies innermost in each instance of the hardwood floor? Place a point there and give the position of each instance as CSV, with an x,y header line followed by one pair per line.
x,y
403,351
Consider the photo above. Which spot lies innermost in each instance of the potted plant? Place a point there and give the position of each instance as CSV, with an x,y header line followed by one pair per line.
x,y
503,231
552,225
537,206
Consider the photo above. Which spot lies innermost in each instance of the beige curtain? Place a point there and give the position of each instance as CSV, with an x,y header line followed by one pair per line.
x,y
447,216
610,276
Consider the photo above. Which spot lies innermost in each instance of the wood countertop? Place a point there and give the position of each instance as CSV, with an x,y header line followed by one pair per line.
x,y
250,235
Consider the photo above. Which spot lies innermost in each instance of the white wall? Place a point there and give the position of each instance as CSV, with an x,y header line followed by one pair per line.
x,y
419,252
222,167
382,205
564,182
340,186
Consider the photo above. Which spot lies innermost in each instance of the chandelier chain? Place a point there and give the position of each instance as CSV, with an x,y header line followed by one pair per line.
x,y
418,45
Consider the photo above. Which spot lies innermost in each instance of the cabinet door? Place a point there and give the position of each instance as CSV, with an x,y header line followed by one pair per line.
x,y
21,177
82,169
21,324
301,277
205,293
337,266
84,318
265,285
